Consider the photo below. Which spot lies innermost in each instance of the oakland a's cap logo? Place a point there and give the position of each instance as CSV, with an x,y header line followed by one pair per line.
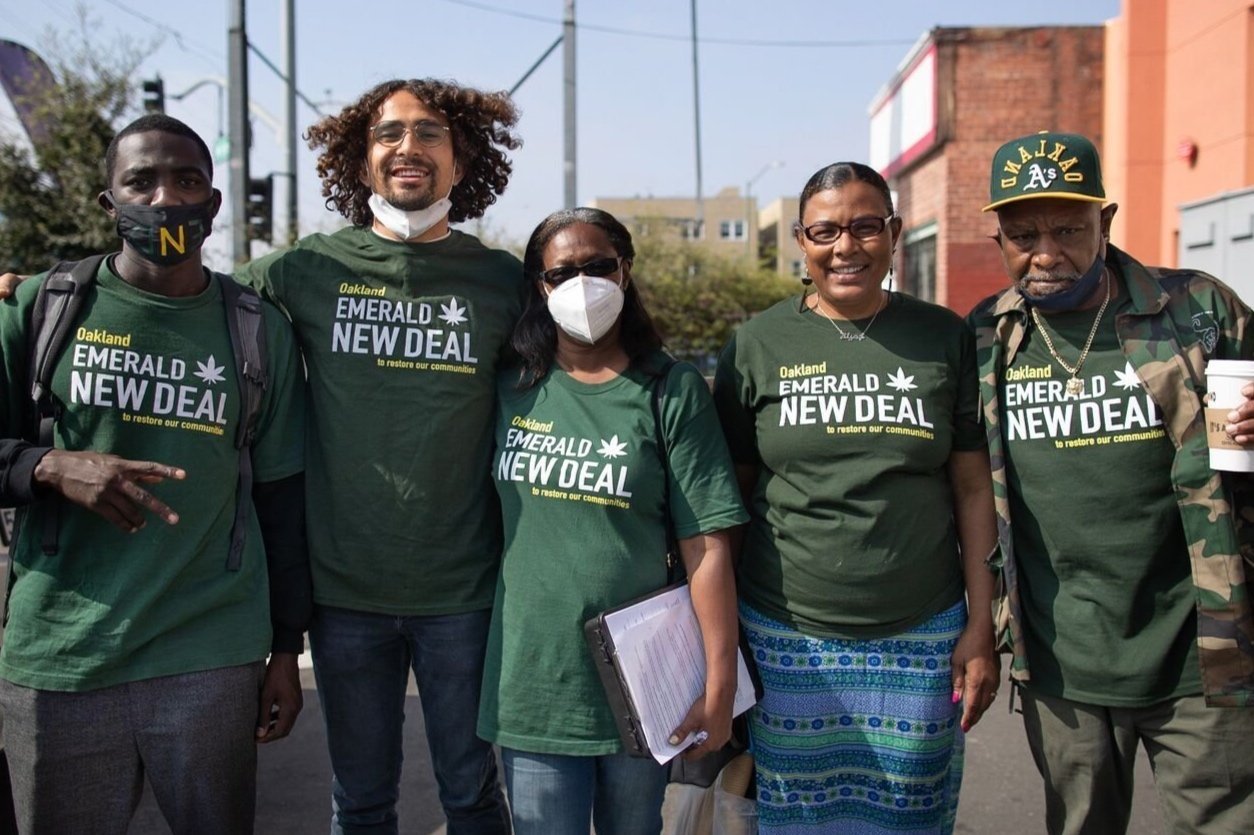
x,y
1046,165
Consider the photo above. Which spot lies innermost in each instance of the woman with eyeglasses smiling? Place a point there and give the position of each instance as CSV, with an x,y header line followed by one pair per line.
x,y
852,415
588,483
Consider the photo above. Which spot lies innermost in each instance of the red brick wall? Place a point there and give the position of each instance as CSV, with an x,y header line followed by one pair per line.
x,y
1005,83
920,201
977,272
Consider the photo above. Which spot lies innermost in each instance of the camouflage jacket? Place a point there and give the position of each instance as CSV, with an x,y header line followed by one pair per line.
x,y
1175,321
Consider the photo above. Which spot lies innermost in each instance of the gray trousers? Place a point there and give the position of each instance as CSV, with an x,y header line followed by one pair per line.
x,y
78,760
1201,757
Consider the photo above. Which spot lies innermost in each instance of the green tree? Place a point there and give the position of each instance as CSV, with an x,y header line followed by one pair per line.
x,y
48,209
698,298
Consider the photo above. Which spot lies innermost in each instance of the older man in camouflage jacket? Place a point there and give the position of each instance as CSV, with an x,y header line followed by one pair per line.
x,y
1126,562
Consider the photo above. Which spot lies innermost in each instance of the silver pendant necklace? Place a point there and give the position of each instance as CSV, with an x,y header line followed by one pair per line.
x,y
845,335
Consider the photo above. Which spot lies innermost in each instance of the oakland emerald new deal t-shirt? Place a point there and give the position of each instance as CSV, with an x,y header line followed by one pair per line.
x,y
851,529
148,378
580,477
1109,615
402,342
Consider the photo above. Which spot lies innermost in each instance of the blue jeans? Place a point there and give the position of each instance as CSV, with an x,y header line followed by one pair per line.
x,y
362,662
560,794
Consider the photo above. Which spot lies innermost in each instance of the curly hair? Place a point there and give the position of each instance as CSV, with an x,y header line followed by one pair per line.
x,y
480,124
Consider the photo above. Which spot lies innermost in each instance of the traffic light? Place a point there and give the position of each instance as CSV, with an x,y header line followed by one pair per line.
x,y
154,95
261,208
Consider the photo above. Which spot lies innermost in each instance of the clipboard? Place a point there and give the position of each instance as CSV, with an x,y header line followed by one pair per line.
x,y
651,663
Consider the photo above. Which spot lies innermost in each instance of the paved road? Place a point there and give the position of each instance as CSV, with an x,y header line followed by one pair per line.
x,y
1001,791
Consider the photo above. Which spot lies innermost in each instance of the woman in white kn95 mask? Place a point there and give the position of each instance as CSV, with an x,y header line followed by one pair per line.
x,y
590,482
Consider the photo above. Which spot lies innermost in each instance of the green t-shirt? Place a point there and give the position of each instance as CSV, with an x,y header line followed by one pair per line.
x,y
851,529
1108,608
150,378
402,343
580,480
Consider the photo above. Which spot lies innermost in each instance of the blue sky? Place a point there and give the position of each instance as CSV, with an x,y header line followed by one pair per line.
x,y
804,105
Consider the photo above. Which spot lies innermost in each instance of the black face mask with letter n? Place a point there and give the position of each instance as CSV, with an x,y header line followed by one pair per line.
x,y
163,235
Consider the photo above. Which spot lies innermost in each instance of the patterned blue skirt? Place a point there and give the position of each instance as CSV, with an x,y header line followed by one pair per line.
x,y
856,736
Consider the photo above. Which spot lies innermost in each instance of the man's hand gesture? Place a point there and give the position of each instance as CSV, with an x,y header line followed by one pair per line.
x,y
108,485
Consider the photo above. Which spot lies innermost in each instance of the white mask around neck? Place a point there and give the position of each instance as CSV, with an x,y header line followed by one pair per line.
x,y
586,307
405,224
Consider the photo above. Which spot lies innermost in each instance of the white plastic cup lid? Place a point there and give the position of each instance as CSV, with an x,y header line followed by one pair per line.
x,y
1231,368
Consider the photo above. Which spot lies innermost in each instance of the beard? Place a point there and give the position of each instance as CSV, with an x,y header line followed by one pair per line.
x,y
410,200
1040,286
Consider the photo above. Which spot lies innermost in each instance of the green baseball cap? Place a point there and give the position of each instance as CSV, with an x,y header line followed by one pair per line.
x,y
1046,164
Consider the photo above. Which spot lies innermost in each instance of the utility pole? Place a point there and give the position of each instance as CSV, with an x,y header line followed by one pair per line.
x,y
568,56
287,27
237,73
751,209
696,115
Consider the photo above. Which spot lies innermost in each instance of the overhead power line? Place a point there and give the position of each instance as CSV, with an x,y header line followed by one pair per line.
x,y
274,69
184,43
667,36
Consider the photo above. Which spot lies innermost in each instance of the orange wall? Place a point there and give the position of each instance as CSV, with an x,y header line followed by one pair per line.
x,y
1132,163
1176,71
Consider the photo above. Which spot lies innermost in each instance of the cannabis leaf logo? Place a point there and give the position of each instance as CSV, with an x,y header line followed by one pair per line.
x,y
900,381
453,313
1127,379
612,448
210,372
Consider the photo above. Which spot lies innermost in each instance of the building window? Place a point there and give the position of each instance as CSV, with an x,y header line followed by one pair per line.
x,y
798,269
692,230
918,270
732,230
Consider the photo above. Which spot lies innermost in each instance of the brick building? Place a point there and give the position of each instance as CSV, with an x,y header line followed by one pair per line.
x,y
958,95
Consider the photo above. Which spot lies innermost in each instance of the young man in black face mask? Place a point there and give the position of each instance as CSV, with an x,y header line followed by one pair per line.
x,y
136,641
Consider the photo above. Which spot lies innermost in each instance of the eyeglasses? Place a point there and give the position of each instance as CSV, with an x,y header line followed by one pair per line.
x,y
862,228
392,134
598,268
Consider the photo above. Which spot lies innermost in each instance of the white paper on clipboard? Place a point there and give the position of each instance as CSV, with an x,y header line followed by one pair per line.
x,y
662,662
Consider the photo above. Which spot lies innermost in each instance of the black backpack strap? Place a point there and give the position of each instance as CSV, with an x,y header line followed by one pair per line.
x,y
248,343
57,307
674,565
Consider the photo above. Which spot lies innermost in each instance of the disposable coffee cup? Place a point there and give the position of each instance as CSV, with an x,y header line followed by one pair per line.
x,y
1224,381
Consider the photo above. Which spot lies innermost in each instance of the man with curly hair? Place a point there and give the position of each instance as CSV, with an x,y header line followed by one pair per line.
x,y
402,322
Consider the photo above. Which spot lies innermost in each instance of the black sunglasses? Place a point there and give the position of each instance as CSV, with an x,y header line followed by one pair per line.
x,y
598,268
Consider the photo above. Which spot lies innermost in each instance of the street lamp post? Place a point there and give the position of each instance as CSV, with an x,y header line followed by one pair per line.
x,y
750,213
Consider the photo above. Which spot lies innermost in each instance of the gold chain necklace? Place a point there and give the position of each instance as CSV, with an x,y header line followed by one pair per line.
x,y
844,334
1075,386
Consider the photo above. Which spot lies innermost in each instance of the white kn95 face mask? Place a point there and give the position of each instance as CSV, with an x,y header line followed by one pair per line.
x,y
586,307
